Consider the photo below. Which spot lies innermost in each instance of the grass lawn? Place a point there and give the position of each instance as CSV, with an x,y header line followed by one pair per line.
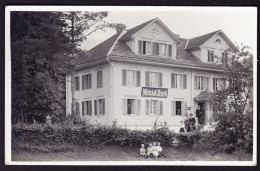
x,y
115,153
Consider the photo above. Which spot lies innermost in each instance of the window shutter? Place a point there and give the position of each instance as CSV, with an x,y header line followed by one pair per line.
x,y
77,108
214,83
146,107
140,47
83,81
138,78
83,110
123,106
173,108
209,55
123,77
184,81
173,80
103,107
182,108
147,74
195,82
156,49
160,79
90,81
135,106
161,107
170,50
139,107
90,107
95,107
99,79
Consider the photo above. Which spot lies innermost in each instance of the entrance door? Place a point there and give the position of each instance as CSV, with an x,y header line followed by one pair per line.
x,y
201,118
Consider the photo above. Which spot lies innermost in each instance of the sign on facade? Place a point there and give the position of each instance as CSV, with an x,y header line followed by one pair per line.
x,y
154,92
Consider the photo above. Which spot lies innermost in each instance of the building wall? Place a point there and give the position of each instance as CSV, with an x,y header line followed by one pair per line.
x,y
212,45
122,92
153,33
92,94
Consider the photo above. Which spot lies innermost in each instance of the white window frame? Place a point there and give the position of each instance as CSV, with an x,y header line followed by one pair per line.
x,y
99,107
183,107
200,82
212,56
163,48
154,108
135,106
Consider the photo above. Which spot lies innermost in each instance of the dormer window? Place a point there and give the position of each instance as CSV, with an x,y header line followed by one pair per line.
x,y
210,56
154,48
218,41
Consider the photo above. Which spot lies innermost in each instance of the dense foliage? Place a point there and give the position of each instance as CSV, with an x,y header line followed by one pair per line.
x,y
232,107
42,46
72,132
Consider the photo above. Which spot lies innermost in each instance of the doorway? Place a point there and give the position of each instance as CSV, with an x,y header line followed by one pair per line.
x,y
201,117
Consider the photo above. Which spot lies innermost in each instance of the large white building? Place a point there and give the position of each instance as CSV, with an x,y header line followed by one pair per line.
x,y
148,73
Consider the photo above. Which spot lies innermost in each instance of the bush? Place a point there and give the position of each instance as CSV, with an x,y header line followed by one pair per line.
x,y
93,135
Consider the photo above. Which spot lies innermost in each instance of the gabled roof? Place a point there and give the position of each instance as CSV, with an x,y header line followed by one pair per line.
x,y
133,30
115,48
195,42
138,28
99,51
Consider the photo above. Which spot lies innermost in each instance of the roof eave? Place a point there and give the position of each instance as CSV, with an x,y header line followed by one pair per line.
x,y
187,66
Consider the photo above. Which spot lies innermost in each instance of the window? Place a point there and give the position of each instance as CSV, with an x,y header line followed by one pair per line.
x,y
201,83
211,56
145,48
224,57
162,49
77,83
153,79
154,107
179,81
99,107
218,84
86,108
154,48
178,108
131,78
99,79
131,106
77,108
86,82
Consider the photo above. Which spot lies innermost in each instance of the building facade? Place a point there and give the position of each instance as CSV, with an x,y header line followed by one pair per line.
x,y
148,74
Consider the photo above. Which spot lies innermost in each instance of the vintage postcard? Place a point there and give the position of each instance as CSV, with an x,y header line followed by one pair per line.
x,y
89,85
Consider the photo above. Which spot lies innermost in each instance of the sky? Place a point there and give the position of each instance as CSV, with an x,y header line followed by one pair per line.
x,y
238,23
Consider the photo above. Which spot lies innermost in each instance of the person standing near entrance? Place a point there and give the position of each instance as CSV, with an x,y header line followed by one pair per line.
x,y
199,114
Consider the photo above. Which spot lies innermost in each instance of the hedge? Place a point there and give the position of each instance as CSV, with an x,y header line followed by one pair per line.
x,y
95,135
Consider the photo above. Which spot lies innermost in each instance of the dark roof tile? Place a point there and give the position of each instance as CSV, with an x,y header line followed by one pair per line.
x,y
133,30
99,51
195,42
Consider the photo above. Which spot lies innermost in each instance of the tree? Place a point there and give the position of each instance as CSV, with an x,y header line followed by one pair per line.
x,y
37,38
232,107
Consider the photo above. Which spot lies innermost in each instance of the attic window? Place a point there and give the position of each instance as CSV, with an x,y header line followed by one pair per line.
x,y
154,48
218,41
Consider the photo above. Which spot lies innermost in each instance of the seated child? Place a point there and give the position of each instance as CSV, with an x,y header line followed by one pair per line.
x,y
160,150
182,127
154,150
143,150
149,150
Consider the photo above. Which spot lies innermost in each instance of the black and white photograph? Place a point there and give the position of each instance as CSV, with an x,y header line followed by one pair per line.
x,y
107,85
